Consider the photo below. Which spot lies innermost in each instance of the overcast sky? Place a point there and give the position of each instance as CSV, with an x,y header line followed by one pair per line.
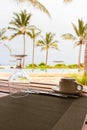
x,y
62,15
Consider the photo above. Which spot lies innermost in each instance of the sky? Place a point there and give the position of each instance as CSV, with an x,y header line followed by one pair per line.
x,y
62,17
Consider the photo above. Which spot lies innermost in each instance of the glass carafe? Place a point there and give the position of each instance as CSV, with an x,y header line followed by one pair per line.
x,y
18,81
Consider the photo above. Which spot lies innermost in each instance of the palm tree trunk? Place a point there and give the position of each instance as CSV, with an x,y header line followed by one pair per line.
x,y
33,53
79,57
46,56
24,49
85,59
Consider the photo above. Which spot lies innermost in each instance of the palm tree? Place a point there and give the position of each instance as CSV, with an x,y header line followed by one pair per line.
x,y
47,42
36,4
34,33
79,39
2,35
21,25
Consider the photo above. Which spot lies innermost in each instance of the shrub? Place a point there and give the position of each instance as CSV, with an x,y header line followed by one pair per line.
x,y
73,66
30,66
82,79
60,66
42,64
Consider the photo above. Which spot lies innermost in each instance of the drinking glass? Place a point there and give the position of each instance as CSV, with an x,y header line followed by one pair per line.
x,y
18,81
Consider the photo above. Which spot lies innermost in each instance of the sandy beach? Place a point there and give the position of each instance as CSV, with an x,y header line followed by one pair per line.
x,y
38,77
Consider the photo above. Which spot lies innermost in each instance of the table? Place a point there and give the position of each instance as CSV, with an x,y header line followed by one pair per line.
x,y
42,112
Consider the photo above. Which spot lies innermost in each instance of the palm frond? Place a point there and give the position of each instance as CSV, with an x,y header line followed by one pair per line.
x,y
49,37
81,26
4,38
75,29
85,26
54,45
2,31
38,5
43,39
30,27
54,42
67,1
40,43
68,36
25,17
10,50
16,21
14,35
2,34
12,28
38,33
29,34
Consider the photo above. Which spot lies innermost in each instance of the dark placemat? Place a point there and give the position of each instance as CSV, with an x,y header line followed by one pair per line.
x,y
33,112
74,117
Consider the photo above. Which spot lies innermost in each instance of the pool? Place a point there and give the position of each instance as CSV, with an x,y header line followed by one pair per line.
x,y
43,70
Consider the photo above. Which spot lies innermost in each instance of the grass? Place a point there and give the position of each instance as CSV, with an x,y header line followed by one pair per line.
x,y
82,79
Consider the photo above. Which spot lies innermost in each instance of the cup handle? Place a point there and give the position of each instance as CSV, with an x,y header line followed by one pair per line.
x,y
79,87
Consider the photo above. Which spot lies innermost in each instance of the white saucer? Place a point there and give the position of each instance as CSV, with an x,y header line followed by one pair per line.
x,y
57,89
